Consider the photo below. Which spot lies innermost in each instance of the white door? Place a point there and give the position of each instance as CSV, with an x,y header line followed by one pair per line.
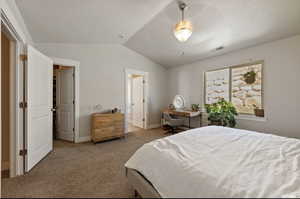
x,y
137,102
65,104
39,77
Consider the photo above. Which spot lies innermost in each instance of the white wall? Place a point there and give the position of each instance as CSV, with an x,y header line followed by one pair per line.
x,y
102,78
281,83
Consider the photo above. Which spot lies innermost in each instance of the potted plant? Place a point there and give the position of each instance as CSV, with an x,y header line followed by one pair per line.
x,y
250,77
195,107
221,113
259,112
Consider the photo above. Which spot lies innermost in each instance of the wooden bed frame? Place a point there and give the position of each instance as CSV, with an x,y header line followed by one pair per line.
x,y
142,187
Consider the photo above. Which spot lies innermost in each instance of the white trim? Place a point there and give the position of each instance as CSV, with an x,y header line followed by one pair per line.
x,y
19,20
154,126
11,12
84,139
19,112
13,109
75,64
16,125
65,62
146,91
65,137
251,117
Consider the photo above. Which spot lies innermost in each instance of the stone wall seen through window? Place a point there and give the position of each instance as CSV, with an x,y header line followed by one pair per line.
x,y
244,90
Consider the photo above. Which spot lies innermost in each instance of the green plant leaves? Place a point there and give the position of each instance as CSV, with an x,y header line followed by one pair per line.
x,y
222,112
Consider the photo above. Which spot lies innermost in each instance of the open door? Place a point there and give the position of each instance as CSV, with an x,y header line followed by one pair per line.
x,y
138,104
65,104
39,75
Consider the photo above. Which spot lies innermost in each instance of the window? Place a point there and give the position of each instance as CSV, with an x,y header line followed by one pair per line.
x,y
242,85
217,85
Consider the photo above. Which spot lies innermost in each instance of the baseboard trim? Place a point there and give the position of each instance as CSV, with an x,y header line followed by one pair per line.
x,y
84,139
154,126
66,136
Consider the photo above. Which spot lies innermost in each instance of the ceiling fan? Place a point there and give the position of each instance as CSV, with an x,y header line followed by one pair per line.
x,y
184,28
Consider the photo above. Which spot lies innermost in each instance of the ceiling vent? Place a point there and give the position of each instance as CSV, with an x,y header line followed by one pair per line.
x,y
220,48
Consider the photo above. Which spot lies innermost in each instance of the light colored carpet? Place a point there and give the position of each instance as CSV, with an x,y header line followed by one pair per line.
x,y
81,170
132,128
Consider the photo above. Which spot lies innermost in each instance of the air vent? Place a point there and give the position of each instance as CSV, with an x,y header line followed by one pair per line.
x,y
220,48
121,36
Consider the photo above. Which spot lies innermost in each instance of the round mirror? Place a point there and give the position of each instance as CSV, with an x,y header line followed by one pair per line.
x,y
179,102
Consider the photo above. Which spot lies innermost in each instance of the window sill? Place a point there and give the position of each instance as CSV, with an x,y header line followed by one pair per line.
x,y
251,117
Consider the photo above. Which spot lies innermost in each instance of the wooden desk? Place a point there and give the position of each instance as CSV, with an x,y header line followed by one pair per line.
x,y
184,113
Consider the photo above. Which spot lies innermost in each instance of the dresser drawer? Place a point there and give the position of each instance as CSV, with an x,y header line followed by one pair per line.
x,y
107,126
98,123
104,132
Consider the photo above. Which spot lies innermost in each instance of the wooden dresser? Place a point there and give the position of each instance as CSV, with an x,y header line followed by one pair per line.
x,y
107,126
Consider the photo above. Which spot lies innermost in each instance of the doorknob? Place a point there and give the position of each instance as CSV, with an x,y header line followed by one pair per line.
x,y
53,109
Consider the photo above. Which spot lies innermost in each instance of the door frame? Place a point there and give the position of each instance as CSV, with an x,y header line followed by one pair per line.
x,y
128,72
75,64
16,118
137,105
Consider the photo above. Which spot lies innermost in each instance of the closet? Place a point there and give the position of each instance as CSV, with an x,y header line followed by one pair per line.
x,y
5,104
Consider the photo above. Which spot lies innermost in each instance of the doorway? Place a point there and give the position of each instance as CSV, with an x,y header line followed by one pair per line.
x,y
64,103
39,109
136,100
8,88
29,84
5,103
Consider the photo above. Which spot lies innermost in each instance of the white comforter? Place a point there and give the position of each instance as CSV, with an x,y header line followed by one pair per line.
x,y
221,162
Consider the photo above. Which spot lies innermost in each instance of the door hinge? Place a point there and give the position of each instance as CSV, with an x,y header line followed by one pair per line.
x,y
73,101
23,105
23,57
23,152
144,82
143,119
144,100
73,129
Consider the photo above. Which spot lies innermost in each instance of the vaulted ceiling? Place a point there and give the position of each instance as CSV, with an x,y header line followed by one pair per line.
x,y
146,26
87,21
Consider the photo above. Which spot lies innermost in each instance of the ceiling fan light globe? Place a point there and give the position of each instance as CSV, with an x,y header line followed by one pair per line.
x,y
183,30
183,35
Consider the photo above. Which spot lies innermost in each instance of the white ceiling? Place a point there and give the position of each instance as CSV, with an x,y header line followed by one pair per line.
x,y
234,24
87,21
148,24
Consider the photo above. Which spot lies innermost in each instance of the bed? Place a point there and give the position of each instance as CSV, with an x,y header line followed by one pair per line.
x,y
217,162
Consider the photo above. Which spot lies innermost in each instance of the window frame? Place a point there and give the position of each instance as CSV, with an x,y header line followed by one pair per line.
x,y
261,62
